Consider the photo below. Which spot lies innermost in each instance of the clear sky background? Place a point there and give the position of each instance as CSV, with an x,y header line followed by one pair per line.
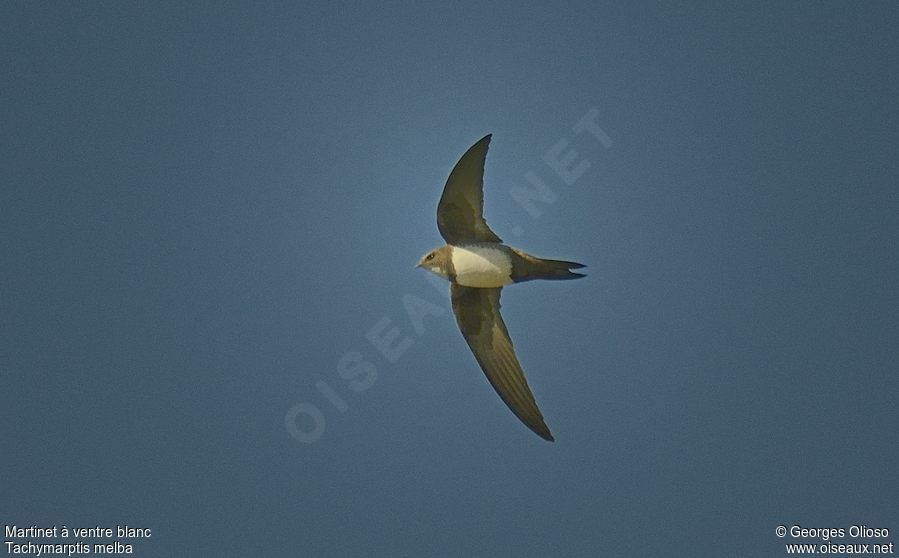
x,y
205,207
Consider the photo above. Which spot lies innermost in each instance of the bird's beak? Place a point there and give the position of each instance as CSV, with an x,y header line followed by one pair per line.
x,y
418,264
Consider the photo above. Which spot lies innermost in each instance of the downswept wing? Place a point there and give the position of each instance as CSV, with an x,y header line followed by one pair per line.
x,y
477,313
460,213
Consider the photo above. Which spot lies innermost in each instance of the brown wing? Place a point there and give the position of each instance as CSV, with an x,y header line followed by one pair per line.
x,y
477,313
460,213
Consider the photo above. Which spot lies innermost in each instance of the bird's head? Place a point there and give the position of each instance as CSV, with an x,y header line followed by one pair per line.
x,y
437,261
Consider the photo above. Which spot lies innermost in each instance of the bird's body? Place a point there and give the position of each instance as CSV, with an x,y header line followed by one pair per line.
x,y
477,264
482,265
487,265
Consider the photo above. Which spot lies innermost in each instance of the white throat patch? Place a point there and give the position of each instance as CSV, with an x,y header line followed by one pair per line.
x,y
481,266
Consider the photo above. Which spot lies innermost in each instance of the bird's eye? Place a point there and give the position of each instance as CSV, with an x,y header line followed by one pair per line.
x,y
430,257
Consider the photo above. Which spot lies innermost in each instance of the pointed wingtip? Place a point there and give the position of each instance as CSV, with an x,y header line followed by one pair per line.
x,y
542,430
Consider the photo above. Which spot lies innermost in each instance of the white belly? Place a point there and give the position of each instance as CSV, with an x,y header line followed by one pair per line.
x,y
481,266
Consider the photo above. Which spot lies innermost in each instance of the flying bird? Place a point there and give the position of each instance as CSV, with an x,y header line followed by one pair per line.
x,y
478,265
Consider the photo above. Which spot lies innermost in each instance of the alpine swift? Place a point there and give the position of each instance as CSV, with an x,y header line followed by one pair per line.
x,y
478,265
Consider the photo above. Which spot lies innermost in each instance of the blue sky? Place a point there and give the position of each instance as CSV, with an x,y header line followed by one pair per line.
x,y
207,209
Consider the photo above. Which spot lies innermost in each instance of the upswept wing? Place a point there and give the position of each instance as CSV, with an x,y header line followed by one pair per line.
x,y
460,213
477,313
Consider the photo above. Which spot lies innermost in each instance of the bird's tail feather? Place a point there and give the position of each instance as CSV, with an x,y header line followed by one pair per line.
x,y
558,270
532,268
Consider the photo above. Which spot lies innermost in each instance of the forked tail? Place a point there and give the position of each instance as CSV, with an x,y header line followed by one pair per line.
x,y
530,268
558,269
